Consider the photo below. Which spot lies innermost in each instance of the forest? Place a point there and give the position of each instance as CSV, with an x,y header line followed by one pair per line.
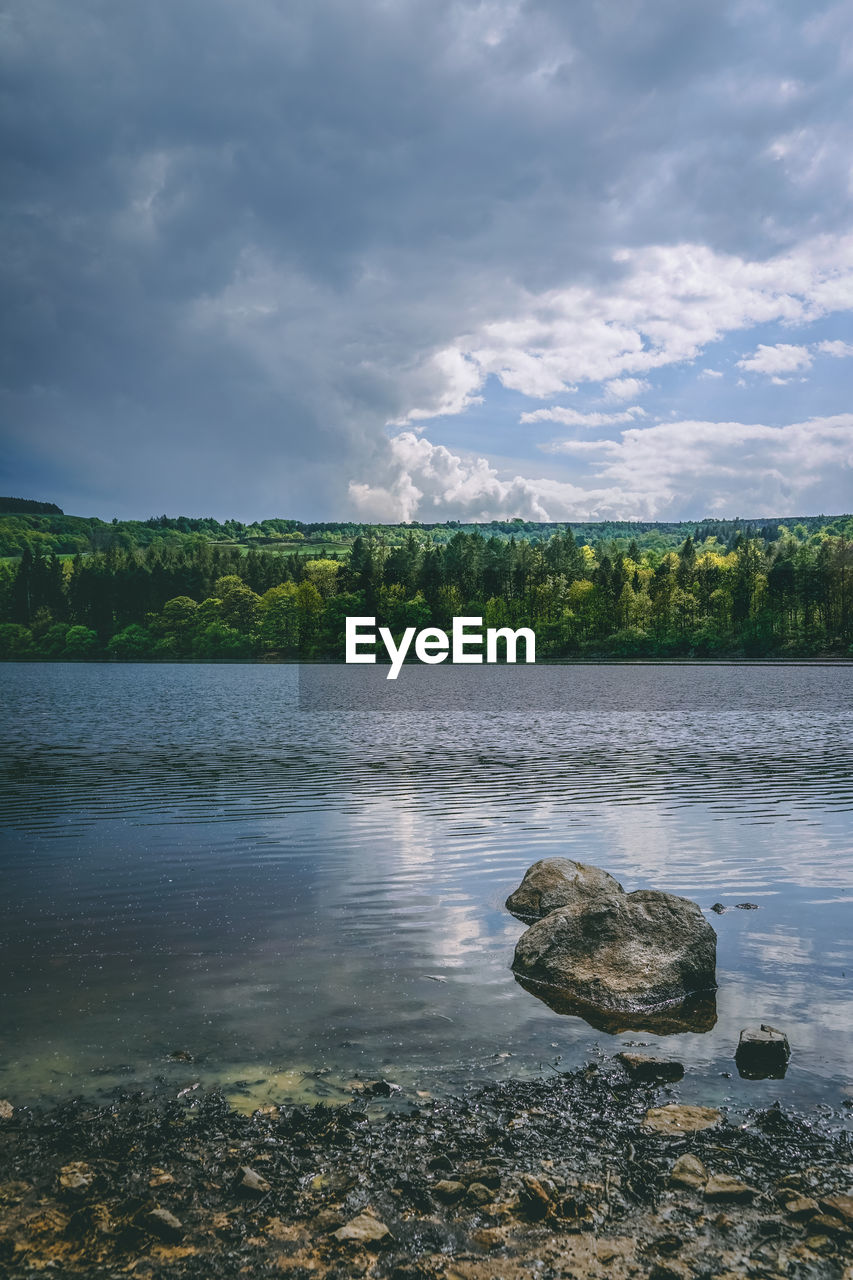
x,y
713,589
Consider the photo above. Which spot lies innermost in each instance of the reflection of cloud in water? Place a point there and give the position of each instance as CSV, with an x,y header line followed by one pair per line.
x,y
779,949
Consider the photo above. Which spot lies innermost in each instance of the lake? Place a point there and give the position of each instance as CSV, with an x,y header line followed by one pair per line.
x,y
296,876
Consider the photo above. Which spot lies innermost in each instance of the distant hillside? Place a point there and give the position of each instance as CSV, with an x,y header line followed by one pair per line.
x,y
14,506
42,526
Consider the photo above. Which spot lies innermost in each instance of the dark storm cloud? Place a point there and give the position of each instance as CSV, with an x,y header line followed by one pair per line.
x,y
234,233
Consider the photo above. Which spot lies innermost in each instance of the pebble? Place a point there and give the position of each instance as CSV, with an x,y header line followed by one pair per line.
x,y
252,1183
363,1229
723,1187
676,1117
689,1172
162,1223
801,1208
840,1205
76,1177
448,1192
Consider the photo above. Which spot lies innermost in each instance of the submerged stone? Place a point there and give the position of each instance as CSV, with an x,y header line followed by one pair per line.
x,y
642,1067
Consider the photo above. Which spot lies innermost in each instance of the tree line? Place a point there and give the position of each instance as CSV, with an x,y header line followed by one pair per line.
x,y
43,526
789,596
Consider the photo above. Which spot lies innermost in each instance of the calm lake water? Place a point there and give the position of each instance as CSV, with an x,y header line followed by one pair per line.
x,y
297,875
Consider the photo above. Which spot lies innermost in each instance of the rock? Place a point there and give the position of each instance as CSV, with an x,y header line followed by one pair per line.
x,y
762,1053
671,1270
696,1014
6,1109
829,1224
718,908
489,1238
801,1208
448,1192
688,1172
251,1183
181,1055
642,1067
746,906
534,1199
76,1178
382,1088
557,882
440,1164
163,1224
363,1230
676,1117
724,1188
478,1194
616,951
840,1205
160,1178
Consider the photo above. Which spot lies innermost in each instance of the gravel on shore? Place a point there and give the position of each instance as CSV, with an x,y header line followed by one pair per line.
x,y
588,1174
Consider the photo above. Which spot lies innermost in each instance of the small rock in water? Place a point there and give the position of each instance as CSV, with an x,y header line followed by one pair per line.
x,y
364,1230
762,1053
688,1171
676,1117
6,1109
723,1187
382,1088
181,1055
719,908
746,906
643,1067
251,1182
163,1224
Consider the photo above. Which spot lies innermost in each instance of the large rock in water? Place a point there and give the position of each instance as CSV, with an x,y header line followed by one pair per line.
x,y
619,952
557,882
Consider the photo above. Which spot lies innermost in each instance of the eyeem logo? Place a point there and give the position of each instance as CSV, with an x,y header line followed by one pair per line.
x,y
433,645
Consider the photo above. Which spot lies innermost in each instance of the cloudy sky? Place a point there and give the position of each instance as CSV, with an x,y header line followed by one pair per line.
x,y
428,259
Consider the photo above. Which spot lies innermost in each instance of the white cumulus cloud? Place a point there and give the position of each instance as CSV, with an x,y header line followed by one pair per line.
x,y
577,418
839,350
650,472
625,388
778,359
666,304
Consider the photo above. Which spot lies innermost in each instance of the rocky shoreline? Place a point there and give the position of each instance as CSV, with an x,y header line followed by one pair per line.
x,y
595,1173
